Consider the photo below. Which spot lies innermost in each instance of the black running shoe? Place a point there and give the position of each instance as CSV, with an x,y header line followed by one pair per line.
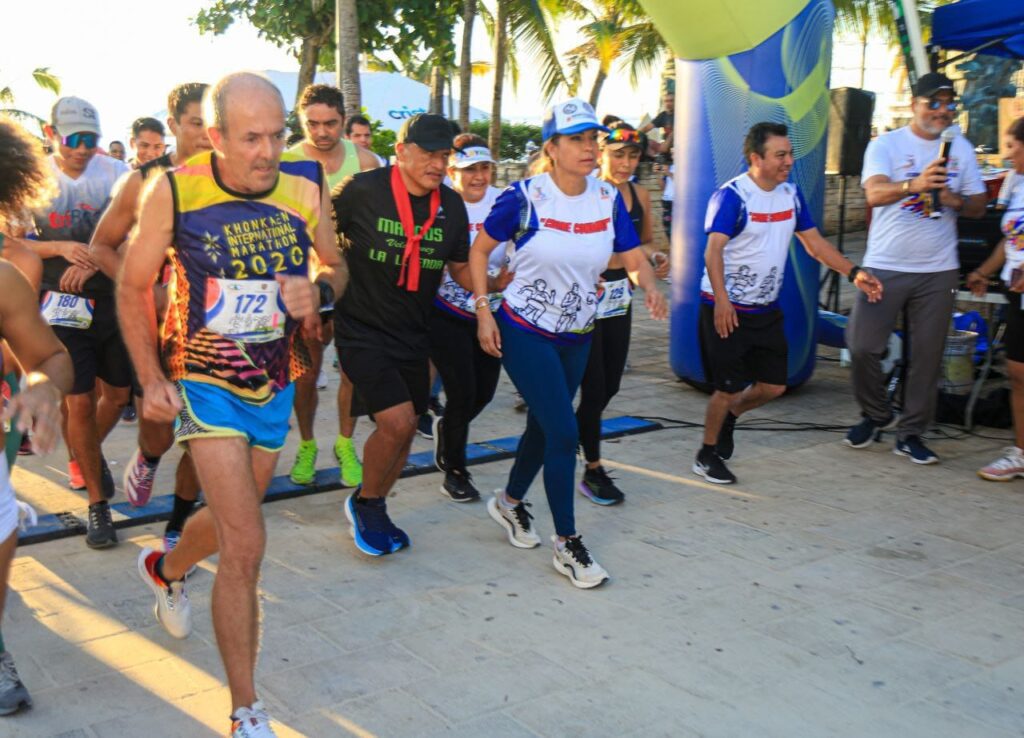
x,y
106,480
598,487
867,431
725,445
458,485
101,533
425,426
709,465
434,406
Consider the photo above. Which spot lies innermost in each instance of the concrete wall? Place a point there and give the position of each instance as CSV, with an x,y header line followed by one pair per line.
x,y
512,171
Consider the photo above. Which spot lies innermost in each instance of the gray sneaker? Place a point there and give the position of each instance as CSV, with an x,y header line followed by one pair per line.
x,y
101,533
13,695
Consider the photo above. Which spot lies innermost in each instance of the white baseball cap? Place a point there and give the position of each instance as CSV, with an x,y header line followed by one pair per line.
x,y
470,155
572,116
74,115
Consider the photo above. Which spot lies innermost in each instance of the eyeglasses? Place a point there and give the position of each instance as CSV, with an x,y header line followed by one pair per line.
x,y
623,135
937,104
91,140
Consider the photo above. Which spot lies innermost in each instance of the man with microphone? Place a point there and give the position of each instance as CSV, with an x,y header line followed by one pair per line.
x,y
918,185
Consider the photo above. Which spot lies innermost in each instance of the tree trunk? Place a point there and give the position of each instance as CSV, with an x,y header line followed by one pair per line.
x,y
595,91
465,62
500,52
309,52
347,38
436,91
863,58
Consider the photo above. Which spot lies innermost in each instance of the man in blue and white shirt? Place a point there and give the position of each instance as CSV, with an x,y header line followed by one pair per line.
x,y
750,222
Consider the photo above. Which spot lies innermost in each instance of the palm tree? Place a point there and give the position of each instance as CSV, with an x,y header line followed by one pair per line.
x,y
347,54
45,79
616,31
522,26
465,65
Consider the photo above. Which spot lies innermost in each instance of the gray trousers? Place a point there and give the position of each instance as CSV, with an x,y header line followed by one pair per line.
x,y
928,299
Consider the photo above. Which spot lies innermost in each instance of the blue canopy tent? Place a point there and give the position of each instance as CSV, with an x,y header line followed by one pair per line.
x,y
990,26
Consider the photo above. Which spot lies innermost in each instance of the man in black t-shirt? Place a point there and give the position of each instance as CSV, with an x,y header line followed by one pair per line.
x,y
400,227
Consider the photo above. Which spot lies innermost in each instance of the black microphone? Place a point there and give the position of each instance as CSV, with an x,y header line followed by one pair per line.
x,y
947,143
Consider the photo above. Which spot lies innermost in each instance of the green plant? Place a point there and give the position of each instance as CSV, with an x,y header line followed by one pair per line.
x,y
513,137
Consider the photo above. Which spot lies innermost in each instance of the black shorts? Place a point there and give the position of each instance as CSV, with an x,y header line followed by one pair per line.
x,y
1014,338
756,351
97,351
380,381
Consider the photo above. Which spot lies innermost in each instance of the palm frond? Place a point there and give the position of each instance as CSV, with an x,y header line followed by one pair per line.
x,y
46,79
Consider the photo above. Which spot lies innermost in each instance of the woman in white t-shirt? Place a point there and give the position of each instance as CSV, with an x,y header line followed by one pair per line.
x,y
609,347
1008,261
470,374
564,225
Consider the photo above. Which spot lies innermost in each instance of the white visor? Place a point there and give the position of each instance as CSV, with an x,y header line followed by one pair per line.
x,y
467,157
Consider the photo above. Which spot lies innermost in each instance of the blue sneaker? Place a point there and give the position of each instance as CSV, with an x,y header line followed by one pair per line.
x,y
372,530
912,447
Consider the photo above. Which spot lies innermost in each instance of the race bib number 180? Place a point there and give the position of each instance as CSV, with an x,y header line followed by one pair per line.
x,y
245,310
68,311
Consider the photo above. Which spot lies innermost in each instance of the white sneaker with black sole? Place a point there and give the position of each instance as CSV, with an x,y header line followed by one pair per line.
x,y
515,521
574,561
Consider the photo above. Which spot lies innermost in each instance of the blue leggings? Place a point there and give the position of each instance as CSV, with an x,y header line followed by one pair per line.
x,y
547,375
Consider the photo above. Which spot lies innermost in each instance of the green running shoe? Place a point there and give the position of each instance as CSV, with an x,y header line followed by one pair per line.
x,y
304,469
348,463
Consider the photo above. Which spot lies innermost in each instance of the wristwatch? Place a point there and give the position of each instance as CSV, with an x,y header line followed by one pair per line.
x,y
906,187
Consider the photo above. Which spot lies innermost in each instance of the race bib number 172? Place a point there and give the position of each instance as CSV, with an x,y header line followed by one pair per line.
x,y
246,310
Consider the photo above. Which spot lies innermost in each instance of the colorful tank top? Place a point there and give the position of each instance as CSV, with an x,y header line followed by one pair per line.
x,y
226,324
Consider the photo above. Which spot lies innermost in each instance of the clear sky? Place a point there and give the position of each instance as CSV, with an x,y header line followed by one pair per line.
x,y
125,55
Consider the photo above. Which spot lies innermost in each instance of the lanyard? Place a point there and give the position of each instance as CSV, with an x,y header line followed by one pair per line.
x,y
411,255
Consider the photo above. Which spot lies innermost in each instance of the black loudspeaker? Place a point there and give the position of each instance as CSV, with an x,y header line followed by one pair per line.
x,y
849,130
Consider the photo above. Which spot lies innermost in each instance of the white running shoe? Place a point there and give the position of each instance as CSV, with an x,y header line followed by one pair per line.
x,y
252,722
1006,468
574,560
321,380
516,522
172,608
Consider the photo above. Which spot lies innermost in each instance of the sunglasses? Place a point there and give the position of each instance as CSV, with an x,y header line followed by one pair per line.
x,y
938,104
622,135
91,140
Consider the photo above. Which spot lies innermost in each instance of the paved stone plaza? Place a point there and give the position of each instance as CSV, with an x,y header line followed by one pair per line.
x,y
832,592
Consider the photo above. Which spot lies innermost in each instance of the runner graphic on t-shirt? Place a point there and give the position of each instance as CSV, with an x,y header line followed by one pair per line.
x,y
572,303
739,281
537,299
768,285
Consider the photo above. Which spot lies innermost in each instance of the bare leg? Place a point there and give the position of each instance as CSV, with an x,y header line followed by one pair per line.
x,y
714,416
84,441
387,449
305,391
754,396
1016,372
7,549
346,423
235,478
111,402
155,439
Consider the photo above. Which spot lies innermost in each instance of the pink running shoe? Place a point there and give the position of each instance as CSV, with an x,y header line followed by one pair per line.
x,y
1006,468
139,476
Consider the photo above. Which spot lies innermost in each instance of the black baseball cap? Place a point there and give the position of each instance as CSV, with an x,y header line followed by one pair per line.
x,y
429,132
928,84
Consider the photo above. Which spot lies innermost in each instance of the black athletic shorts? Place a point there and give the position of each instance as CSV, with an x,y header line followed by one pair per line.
x,y
1014,338
97,351
756,351
380,381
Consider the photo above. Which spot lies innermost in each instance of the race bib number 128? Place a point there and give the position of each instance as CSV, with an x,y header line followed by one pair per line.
x,y
245,310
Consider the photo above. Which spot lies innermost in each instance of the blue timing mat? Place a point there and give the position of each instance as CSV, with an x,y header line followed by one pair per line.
x,y
65,524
